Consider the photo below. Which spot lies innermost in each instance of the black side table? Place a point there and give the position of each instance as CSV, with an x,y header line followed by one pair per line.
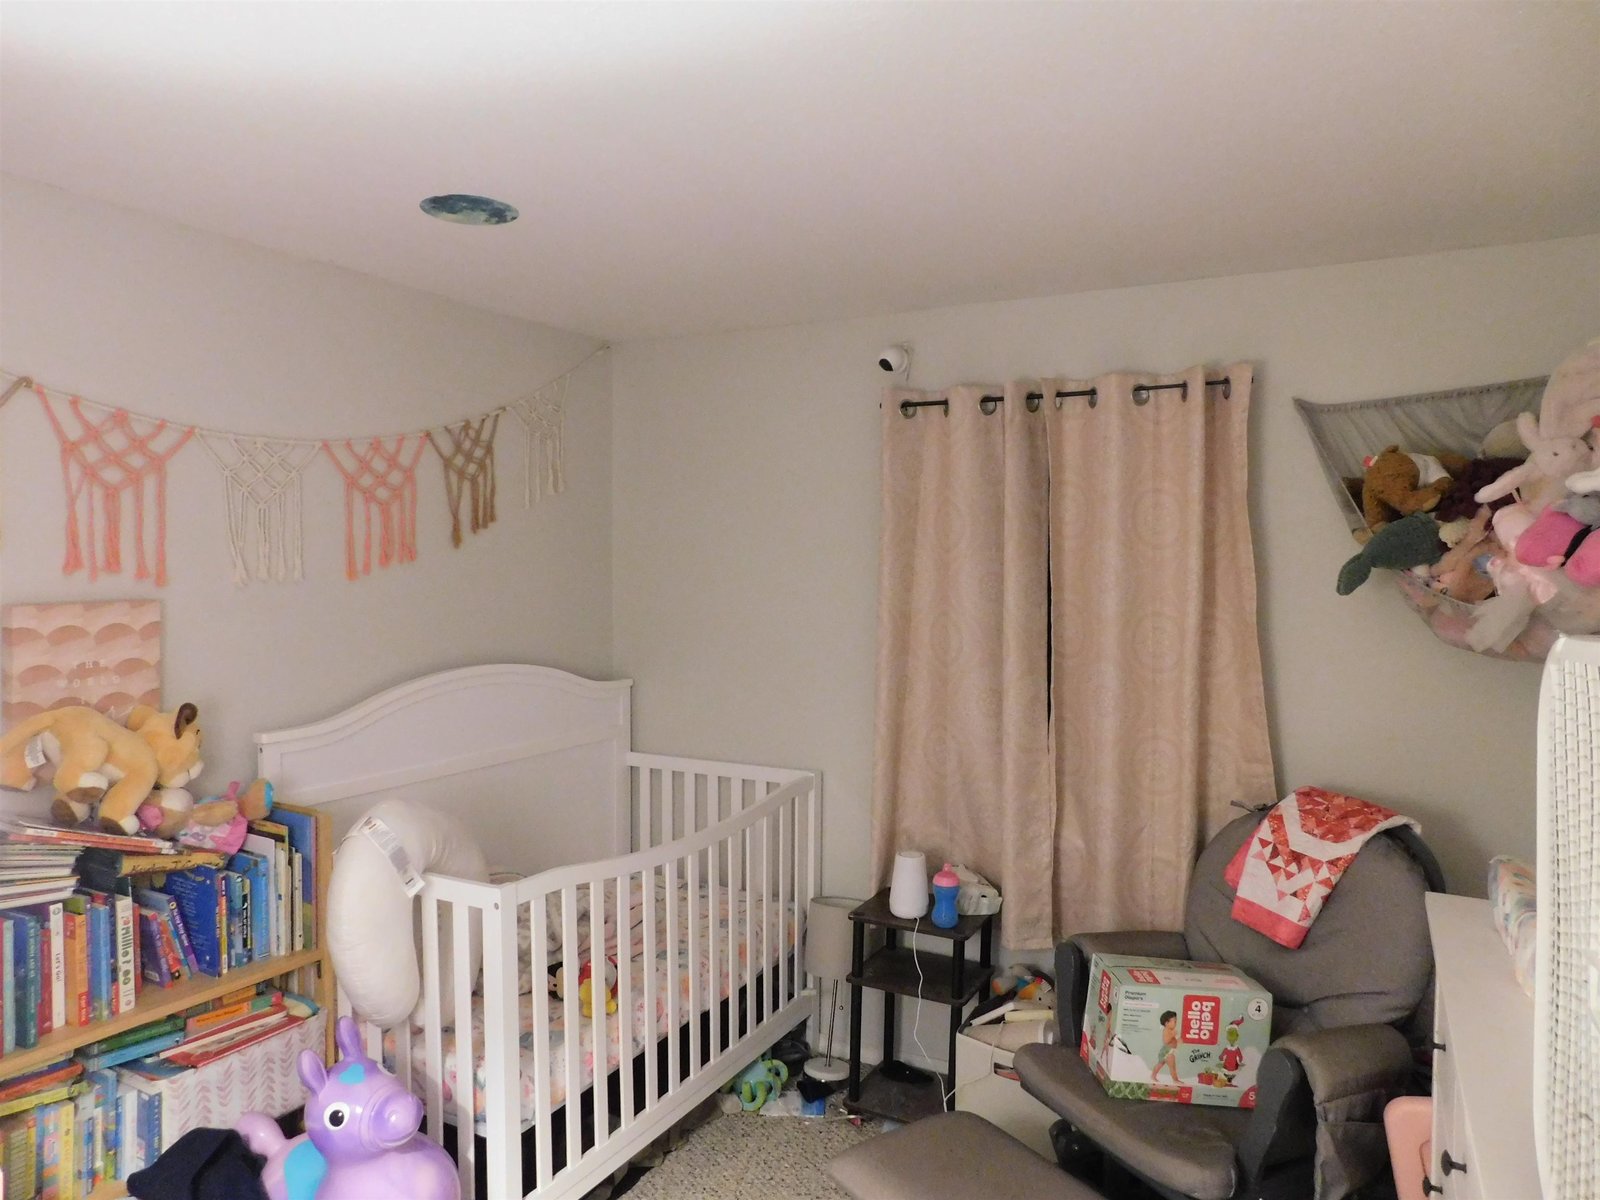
x,y
947,979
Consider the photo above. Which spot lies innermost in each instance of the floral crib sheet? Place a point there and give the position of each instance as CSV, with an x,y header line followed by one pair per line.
x,y
645,1026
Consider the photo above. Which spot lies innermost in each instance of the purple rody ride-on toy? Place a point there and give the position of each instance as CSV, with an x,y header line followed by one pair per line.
x,y
361,1138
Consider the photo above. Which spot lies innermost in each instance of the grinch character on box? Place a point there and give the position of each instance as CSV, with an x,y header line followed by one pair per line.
x,y
1169,1046
1232,1058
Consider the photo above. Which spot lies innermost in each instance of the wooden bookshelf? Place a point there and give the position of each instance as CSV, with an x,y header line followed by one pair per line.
x,y
154,1003
315,981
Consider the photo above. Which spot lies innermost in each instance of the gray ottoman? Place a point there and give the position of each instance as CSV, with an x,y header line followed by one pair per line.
x,y
954,1156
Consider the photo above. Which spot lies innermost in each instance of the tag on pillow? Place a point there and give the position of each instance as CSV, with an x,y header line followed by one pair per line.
x,y
384,839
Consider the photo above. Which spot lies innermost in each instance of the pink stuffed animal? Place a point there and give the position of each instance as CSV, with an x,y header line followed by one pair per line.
x,y
1539,482
1546,541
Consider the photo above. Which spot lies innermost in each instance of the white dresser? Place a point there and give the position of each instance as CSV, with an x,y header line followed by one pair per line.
x,y
1483,1061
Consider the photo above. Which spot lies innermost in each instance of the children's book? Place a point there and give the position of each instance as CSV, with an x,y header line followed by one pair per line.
x,y
124,1054
238,919
100,955
26,963
303,838
50,966
257,872
268,849
198,893
54,1075
155,969
75,920
126,990
48,1096
19,1154
8,991
229,1014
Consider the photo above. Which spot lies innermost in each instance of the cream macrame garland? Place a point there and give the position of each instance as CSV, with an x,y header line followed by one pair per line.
x,y
468,466
261,478
542,415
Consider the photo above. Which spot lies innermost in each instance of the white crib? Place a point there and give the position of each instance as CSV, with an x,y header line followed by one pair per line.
x,y
716,862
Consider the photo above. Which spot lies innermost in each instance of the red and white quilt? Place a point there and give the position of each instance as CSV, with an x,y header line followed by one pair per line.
x,y
1283,873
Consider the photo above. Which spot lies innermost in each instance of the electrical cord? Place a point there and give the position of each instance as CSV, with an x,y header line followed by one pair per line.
x,y
916,1021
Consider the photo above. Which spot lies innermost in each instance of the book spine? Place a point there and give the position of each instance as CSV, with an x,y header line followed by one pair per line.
x,y
155,963
296,905
285,921
28,1010
58,966
99,959
167,942
44,973
127,988
77,930
182,933
8,990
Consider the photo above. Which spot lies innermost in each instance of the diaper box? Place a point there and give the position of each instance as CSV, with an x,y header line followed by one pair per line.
x,y
1184,1032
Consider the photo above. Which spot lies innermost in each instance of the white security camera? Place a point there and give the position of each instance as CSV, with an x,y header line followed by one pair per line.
x,y
894,360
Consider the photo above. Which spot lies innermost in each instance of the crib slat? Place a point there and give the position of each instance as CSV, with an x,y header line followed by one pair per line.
x,y
602,1025
432,1018
785,879
651,989
502,1057
749,939
731,989
625,1018
539,968
572,1021
696,1004
768,977
647,811
713,888
814,872
466,1056
674,969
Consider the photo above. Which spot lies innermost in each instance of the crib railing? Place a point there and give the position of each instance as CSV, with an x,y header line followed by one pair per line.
x,y
710,839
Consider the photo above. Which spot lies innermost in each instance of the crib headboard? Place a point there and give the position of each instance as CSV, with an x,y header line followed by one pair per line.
x,y
533,760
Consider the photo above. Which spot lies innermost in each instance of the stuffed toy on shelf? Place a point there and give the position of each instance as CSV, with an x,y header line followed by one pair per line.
x,y
95,759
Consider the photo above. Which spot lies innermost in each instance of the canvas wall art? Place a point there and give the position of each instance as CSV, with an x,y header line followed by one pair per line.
x,y
106,654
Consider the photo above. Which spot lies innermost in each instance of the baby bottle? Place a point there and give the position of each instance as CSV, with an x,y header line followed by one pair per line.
x,y
946,883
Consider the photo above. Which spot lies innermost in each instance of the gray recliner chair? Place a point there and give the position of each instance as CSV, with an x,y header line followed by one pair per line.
x,y
1352,1016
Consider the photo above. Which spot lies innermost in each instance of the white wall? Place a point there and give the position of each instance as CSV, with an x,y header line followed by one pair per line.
x,y
746,522
127,309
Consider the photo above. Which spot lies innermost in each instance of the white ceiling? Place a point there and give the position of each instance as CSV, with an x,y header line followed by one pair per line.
x,y
684,168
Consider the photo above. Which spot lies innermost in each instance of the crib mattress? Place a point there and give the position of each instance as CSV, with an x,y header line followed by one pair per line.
x,y
643,1027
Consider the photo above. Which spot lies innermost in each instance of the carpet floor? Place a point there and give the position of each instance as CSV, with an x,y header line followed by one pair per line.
x,y
736,1156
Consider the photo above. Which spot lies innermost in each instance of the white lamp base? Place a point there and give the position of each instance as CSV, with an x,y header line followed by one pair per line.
x,y
820,1069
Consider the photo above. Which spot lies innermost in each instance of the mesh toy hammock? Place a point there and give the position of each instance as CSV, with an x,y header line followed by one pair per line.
x,y
1454,421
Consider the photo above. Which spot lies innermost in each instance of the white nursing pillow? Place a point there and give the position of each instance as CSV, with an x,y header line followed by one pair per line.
x,y
372,936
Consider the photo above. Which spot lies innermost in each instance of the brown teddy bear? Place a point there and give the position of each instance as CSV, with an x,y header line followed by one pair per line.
x,y
97,759
1392,488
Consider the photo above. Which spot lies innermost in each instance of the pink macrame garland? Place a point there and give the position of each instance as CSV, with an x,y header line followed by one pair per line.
x,y
386,483
102,462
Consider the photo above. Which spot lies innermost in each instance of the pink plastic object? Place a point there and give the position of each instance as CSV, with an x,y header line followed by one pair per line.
x,y
1408,1122
361,1137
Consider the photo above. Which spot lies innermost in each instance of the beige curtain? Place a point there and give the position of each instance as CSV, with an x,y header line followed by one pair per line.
x,y
962,768
1079,757
1156,692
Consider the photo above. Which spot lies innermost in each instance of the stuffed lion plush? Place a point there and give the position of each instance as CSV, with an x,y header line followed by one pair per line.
x,y
97,759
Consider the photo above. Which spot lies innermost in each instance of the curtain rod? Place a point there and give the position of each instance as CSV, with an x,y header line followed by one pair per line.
x,y
908,408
